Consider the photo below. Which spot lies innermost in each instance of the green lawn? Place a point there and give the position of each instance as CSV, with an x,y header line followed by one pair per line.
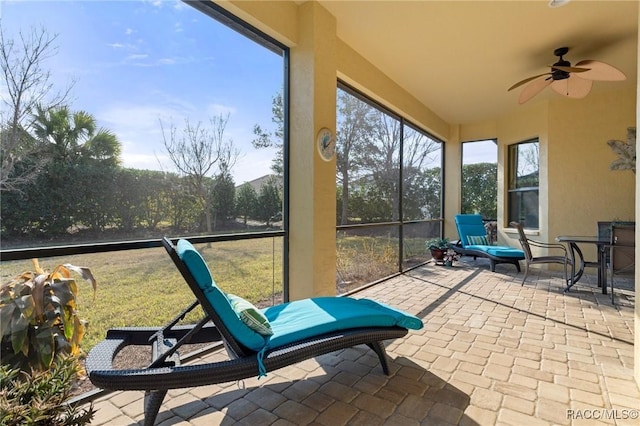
x,y
144,288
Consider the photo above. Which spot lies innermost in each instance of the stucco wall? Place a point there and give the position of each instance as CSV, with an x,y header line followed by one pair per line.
x,y
522,125
278,19
281,19
636,347
361,74
577,188
584,189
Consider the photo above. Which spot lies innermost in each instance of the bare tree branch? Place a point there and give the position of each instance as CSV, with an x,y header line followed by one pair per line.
x,y
26,85
197,153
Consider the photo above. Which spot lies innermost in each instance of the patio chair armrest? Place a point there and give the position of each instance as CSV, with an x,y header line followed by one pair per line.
x,y
541,244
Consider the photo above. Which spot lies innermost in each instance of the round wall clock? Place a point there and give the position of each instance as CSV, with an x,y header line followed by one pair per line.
x,y
326,144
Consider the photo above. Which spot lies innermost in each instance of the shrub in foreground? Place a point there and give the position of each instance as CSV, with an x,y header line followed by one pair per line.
x,y
39,398
38,317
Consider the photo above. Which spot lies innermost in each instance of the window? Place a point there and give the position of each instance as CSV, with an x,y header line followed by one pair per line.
x,y
524,178
422,189
368,161
171,78
421,175
480,178
388,191
147,74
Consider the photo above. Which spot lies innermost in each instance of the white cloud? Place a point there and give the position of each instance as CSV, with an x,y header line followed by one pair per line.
x,y
218,109
138,119
177,4
480,152
252,165
167,61
137,56
129,31
124,46
144,161
138,125
138,129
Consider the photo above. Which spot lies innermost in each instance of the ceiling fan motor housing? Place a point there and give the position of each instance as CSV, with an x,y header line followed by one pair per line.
x,y
557,74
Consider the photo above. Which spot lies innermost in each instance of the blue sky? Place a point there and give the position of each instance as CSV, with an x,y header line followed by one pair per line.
x,y
135,63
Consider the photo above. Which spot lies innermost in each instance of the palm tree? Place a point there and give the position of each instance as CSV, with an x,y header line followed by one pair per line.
x,y
78,183
72,137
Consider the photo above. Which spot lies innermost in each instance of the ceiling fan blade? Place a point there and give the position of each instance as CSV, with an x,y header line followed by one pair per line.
x,y
533,89
526,80
569,69
600,71
572,87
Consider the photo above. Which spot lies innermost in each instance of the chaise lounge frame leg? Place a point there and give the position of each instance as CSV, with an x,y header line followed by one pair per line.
x,y
378,348
152,402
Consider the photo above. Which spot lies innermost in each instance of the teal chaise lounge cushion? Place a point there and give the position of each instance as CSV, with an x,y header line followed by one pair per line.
x,y
471,230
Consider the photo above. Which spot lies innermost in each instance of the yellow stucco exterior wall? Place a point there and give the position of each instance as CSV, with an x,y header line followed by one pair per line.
x,y
312,193
577,189
636,340
579,160
278,19
362,75
318,59
524,124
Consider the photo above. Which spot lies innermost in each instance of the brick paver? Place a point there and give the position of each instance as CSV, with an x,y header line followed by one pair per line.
x,y
491,352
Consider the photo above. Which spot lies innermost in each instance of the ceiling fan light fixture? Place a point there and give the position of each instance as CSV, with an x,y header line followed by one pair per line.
x,y
558,3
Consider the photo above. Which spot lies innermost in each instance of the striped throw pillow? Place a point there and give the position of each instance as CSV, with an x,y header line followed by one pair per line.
x,y
250,315
478,240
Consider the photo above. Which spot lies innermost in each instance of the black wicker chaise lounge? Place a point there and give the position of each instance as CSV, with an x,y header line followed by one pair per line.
x,y
296,331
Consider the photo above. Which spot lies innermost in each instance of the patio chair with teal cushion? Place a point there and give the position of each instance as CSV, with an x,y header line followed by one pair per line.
x,y
474,242
257,341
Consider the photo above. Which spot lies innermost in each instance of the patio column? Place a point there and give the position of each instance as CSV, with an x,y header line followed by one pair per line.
x,y
636,340
312,183
453,179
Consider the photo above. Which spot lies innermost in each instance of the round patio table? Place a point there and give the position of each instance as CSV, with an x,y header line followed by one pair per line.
x,y
601,243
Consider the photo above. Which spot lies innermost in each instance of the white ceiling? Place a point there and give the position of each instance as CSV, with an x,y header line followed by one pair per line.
x,y
460,57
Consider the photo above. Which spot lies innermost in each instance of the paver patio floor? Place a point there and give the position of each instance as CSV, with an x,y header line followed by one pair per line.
x,y
491,352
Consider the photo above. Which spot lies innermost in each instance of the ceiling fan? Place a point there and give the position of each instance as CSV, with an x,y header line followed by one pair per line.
x,y
571,81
